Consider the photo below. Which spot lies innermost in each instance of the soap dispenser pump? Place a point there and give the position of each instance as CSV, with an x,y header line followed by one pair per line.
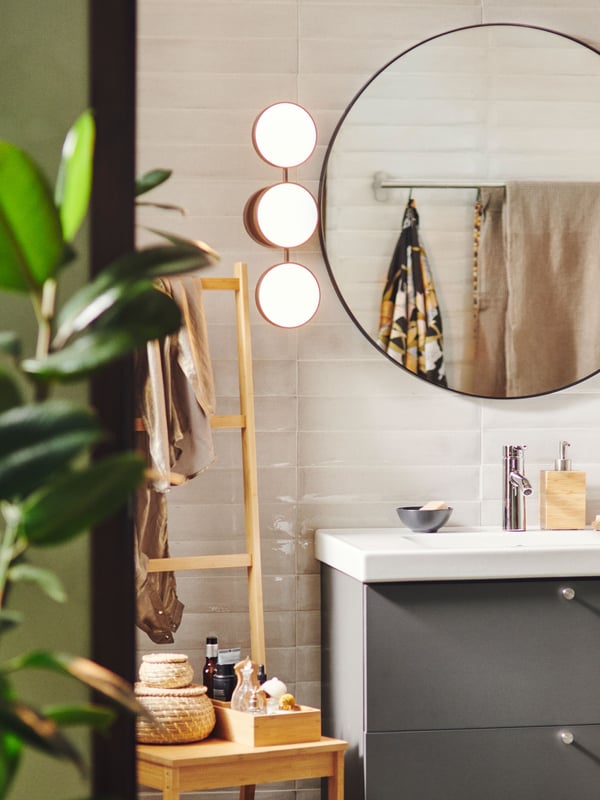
x,y
562,494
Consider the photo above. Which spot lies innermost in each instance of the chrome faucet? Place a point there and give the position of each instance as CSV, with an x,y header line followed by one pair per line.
x,y
516,488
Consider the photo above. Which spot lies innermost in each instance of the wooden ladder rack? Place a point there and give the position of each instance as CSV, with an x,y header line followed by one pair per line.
x,y
244,421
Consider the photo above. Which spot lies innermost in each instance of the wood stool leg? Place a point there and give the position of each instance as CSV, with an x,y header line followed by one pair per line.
x,y
335,782
247,792
171,784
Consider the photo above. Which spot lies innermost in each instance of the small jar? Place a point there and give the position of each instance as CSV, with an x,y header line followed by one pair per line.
x,y
224,681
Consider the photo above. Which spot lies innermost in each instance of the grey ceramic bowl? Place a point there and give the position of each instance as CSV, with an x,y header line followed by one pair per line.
x,y
424,521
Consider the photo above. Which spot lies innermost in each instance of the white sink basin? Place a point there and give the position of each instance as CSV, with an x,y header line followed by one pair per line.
x,y
395,554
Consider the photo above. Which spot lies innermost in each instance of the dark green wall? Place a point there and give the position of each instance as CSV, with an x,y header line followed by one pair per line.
x,y
43,87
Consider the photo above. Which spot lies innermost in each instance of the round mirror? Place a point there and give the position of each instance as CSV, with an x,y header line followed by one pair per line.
x,y
460,210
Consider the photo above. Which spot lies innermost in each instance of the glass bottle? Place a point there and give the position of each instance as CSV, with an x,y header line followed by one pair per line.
x,y
257,702
210,665
240,700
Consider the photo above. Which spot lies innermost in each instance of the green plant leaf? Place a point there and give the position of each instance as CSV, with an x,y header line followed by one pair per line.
x,y
10,393
94,306
150,180
9,619
10,343
74,181
31,240
163,206
143,314
38,731
11,749
84,670
44,579
184,255
182,241
149,263
92,716
79,500
38,439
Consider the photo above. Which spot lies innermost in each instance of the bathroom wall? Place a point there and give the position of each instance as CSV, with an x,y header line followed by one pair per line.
x,y
344,436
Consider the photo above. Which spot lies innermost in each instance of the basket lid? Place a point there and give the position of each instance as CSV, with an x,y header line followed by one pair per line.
x,y
164,658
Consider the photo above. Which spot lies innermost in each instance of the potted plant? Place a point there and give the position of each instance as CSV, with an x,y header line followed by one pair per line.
x,y
51,488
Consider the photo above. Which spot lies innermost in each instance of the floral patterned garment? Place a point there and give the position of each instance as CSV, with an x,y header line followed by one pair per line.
x,y
410,326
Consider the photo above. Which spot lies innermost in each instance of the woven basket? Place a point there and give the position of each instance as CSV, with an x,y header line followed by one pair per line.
x,y
180,715
166,670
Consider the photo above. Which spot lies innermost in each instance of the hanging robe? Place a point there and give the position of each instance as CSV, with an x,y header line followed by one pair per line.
x,y
410,326
175,398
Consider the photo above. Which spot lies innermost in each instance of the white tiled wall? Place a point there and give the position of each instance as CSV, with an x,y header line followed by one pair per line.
x,y
343,435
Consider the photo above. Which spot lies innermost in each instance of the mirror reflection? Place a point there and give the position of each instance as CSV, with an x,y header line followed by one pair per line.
x,y
460,200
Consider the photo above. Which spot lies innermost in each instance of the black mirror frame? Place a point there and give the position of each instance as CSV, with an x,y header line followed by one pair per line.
x,y
112,47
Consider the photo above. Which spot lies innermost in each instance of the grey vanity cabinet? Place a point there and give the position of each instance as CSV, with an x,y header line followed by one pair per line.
x,y
465,689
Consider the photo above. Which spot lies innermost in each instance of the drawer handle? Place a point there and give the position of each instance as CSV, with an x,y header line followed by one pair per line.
x,y
568,592
566,737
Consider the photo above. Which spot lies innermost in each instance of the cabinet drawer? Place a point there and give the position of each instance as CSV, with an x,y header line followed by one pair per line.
x,y
492,764
482,654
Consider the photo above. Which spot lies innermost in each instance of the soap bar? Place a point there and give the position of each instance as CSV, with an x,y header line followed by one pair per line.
x,y
433,505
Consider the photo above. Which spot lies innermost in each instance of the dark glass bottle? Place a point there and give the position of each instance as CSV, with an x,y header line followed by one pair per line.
x,y
210,665
262,675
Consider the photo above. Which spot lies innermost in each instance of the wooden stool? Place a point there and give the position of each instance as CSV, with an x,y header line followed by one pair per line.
x,y
216,764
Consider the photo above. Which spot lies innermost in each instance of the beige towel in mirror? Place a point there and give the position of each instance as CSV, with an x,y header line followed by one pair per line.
x,y
538,326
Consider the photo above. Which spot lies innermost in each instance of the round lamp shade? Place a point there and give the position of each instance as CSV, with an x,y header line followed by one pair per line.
x,y
284,135
284,215
288,295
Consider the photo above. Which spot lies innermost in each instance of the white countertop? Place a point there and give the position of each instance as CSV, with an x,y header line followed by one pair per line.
x,y
378,555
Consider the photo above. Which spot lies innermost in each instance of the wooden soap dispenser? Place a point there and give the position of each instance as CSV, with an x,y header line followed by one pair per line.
x,y
562,495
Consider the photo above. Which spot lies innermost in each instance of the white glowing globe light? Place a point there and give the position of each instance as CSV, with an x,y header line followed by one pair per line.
x,y
288,295
287,215
284,135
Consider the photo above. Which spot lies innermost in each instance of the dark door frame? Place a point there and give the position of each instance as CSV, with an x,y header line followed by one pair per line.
x,y
112,26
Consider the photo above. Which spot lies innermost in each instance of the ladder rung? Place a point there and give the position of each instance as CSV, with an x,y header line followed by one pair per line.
x,y
216,421
228,421
221,283
175,563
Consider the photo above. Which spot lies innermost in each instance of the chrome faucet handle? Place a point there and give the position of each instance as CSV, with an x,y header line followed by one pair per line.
x,y
514,450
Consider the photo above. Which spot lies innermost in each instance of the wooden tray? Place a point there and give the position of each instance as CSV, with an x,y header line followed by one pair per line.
x,y
261,730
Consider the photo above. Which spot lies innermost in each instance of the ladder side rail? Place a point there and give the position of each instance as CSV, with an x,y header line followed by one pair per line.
x,y
249,464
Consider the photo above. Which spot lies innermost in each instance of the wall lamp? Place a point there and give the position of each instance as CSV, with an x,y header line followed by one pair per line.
x,y
284,215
